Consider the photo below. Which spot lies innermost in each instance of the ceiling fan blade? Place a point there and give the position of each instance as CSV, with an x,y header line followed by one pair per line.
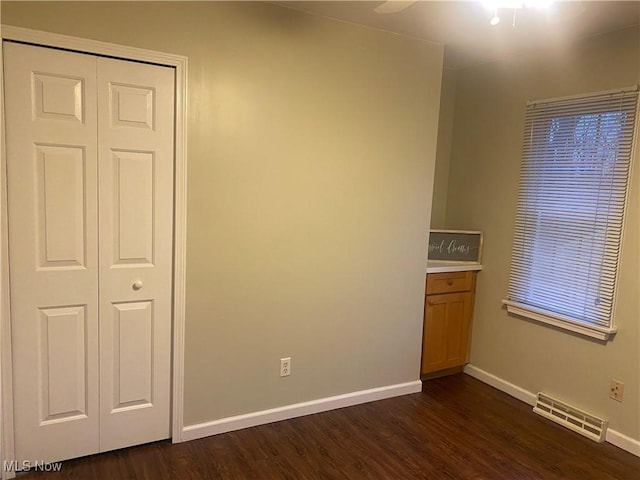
x,y
393,6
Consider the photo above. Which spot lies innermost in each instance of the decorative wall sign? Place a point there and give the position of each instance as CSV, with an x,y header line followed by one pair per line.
x,y
455,246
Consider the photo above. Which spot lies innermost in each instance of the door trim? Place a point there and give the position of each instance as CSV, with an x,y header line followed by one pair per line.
x,y
179,62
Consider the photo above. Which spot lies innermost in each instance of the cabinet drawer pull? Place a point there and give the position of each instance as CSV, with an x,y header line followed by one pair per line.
x,y
450,283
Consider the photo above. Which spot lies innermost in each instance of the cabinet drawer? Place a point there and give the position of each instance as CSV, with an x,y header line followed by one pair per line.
x,y
450,282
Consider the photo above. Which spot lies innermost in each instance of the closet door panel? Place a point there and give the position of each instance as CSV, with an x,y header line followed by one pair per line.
x,y
136,110
51,140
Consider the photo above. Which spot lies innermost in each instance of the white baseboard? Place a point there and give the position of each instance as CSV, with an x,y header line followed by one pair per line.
x,y
502,385
618,439
200,430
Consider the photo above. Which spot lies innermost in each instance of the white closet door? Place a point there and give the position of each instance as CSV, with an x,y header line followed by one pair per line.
x,y
53,241
135,105
90,197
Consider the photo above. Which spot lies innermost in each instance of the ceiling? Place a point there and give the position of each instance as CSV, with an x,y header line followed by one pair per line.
x,y
463,26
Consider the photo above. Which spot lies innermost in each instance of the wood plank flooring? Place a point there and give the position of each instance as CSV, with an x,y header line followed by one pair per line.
x,y
457,428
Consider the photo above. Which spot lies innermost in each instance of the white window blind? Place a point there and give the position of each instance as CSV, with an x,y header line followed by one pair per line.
x,y
568,229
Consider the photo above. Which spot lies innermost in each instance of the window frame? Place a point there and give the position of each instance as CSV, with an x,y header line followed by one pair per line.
x,y
548,317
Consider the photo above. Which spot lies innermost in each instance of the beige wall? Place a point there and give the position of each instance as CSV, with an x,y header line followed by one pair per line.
x,y
311,155
485,163
443,151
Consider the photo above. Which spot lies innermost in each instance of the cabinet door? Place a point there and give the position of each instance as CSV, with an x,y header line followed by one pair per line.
x,y
447,321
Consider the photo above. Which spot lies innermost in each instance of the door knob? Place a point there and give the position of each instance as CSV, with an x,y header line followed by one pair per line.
x,y
137,285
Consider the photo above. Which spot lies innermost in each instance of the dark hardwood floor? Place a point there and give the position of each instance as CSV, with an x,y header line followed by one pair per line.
x,y
458,428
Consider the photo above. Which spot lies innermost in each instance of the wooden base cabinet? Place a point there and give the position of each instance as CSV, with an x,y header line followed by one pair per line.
x,y
447,321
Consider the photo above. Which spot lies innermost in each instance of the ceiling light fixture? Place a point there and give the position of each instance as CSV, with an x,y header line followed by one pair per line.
x,y
514,5
496,19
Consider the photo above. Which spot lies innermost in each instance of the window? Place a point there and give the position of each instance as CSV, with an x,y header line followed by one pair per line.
x,y
573,187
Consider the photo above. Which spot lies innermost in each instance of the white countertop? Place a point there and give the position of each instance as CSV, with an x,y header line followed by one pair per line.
x,y
440,266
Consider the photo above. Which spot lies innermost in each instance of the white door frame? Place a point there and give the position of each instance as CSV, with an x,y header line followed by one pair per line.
x,y
179,62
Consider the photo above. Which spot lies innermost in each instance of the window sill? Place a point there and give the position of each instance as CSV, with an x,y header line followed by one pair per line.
x,y
541,316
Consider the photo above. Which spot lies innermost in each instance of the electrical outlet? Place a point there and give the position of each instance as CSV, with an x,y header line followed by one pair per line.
x,y
285,367
616,389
